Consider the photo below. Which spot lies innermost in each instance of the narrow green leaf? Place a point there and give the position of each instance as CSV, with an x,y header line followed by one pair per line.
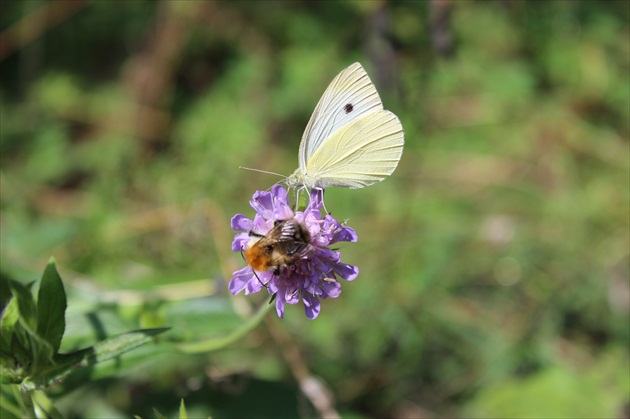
x,y
158,415
182,410
51,307
102,351
120,344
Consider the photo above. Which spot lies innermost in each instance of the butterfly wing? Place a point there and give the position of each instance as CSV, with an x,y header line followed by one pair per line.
x,y
364,151
349,96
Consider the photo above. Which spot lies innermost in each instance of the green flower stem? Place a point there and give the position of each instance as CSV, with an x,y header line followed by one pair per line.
x,y
44,403
26,397
214,344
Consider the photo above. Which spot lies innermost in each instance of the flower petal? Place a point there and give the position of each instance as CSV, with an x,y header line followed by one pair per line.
x,y
347,272
240,279
314,205
280,194
346,234
241,223
292,295
254,285
331,289
312,307
240,242
260,225
262,202
280,305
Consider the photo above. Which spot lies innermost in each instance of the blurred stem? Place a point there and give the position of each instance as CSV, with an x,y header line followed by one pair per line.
x,y
35,24
45,404
26,397
214,344
314,388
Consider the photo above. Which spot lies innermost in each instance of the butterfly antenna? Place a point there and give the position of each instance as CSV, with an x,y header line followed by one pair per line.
x,y
261,171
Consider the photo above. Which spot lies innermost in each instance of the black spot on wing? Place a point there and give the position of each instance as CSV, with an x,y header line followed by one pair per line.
x,y
348,108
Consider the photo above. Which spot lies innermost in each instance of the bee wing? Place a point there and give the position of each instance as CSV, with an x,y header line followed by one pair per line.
x,y
292,238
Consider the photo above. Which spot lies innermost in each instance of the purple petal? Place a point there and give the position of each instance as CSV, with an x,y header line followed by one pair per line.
x,y
314,204
292,295
262,202
283,212
331,289
241,223
327,256
347,272
240,242
274,284
280,305
321,240
280,194
317,198
260,225
254,285
337,231
312,306
312,223
312,288
346,234
240,279
319,267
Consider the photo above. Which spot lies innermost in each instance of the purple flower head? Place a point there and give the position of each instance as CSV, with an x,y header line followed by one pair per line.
x,y
287,252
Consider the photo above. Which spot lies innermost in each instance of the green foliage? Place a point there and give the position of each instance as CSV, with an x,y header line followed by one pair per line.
x,y
31,332
494,262
182,410
594,392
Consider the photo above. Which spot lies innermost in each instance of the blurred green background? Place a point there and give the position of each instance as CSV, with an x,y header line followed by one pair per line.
x,y
494,261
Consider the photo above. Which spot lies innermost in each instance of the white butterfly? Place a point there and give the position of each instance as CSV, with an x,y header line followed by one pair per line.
x,y
350,141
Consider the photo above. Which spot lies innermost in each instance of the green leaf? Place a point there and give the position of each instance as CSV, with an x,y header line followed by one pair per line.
x,y
51,307
17,334
25,305
102,351
9,322
182,411
120,344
